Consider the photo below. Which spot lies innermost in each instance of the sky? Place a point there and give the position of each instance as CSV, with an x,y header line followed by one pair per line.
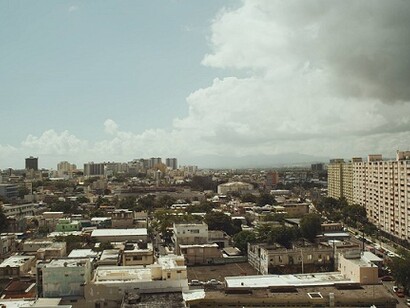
x,y
209,82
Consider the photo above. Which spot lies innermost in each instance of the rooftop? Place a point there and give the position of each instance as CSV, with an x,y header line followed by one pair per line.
x,y
67,262
120,232
298,280
15,261
82,253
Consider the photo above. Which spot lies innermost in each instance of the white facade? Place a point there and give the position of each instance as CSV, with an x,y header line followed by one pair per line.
x,y
111,282
234,187
189,234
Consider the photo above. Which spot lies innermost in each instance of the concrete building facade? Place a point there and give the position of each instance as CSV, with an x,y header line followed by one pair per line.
x,y
382,187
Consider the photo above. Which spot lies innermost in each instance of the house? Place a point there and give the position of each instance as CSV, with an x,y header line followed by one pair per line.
x,y
63,277
189,234
16,266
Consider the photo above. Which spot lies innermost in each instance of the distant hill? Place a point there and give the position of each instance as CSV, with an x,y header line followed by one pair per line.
x,y
258,161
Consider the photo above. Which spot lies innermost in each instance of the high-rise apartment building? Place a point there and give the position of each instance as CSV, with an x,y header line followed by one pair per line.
x,y
94,169
340,180
171,163
32,163
65,168
154,161
383,188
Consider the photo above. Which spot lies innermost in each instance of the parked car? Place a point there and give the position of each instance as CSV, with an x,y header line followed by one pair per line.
x,y
395,289
408,302
387,278
400,293
196,282
213,282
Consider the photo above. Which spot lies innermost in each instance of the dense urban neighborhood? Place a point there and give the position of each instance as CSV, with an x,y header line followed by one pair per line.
x,y
147,233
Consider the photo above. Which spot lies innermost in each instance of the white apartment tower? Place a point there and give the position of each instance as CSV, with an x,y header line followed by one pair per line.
x,y
340,179
383,188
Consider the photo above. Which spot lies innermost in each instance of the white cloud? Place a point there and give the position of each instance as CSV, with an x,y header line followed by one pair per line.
x,y
324,78
110,127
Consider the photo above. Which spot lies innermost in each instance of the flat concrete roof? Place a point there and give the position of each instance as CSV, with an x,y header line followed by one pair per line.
x,y
15,261
104,274
298,280
120,232
67,262
82,253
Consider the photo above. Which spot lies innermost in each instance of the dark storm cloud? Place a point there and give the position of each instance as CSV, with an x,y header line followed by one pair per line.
x,y
365,45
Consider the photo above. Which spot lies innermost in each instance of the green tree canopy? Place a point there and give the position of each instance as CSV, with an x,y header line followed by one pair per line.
x,y
3,220
401,269
220,221
310,226
242,238
265,198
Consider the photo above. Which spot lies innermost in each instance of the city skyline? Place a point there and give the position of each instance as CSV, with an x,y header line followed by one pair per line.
x,y
205,82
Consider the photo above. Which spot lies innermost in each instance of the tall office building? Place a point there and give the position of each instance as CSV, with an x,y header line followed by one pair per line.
x,y
382,187
172,163
32,163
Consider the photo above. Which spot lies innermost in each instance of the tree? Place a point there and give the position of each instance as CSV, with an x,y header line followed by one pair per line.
x,y
310,226
219,221
264,199
3,221
165,202
202,207
248,197
401,269
242,238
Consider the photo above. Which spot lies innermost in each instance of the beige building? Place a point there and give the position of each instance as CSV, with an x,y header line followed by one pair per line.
x,y
240,187
16,266
355,267
110,283
120,235
189,234
268,259
340,179
122,219
303,290
381,186
137,254
200,254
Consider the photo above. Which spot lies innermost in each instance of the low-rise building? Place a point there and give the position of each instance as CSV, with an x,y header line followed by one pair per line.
x,y
110,283
200,254
219,237
120,235
189,234
122,219
63,277
270,259
230,187
55,250
137,254
354,266
16,266
68,225
303,290
8,245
